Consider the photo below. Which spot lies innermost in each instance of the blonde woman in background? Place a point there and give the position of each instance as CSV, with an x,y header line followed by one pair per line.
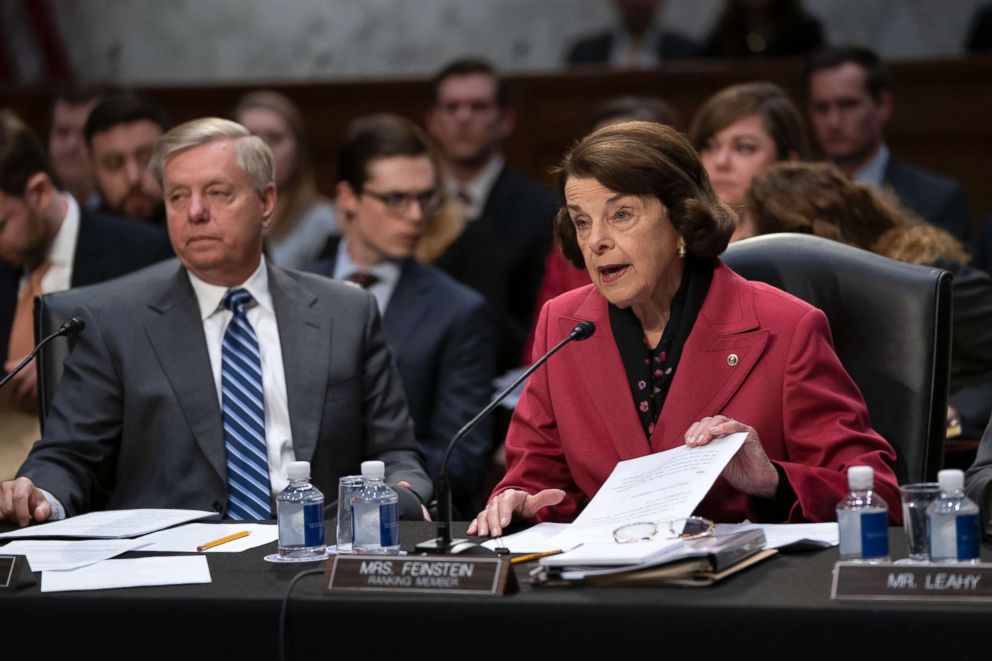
x,y
304,219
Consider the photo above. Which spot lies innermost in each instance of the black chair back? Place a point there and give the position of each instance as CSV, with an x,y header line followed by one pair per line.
x,y
891,326
53,310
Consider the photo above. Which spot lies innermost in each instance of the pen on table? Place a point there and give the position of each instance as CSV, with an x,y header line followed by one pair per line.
x,y
532,556
222,540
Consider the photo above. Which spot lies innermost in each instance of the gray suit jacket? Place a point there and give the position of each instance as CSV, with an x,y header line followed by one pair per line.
x,y
135,421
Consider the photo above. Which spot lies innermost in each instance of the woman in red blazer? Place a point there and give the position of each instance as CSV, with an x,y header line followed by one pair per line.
x,y
684,350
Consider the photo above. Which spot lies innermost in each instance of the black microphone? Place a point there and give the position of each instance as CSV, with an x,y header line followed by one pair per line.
x,y
72,327
442,486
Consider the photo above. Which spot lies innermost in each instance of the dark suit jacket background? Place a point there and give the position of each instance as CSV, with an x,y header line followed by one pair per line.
x,y
136,419
938,200
978,480
971,347
596,49
441,336
107,247
501,256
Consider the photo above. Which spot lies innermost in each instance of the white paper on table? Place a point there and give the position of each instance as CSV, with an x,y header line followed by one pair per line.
x,y
658,487
111,524
185,539
536,539
44,555
611,554
777,535
130,573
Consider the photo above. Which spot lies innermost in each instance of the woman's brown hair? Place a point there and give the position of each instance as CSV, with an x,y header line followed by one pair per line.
x,y
817,198
648,159
768,101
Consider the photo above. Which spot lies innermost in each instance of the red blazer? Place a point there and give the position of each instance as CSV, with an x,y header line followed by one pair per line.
x,y
755,354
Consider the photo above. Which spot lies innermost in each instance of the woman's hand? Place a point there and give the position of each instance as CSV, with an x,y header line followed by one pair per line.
x,y
750,471
505,504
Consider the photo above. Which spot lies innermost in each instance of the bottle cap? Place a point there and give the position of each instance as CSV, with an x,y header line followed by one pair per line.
x,y
373,469
860,477
298,470
951,479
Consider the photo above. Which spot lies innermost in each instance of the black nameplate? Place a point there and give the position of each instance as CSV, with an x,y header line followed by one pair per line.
x,y
15,572
416,573
916,582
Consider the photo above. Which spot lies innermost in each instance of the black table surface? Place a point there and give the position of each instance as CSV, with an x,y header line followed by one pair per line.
x,y
781,606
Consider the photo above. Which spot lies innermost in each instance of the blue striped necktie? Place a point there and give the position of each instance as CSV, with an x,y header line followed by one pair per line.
x,y
243,412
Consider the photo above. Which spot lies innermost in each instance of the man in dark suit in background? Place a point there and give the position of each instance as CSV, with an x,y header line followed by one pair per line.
x,y
121,131
439,331
507,233
67,150
195,388
635,43
850,102
47,243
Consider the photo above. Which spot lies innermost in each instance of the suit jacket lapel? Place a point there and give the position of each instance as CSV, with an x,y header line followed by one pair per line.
x,y
175,330
406,308
305,339
604,378
724,346
89,250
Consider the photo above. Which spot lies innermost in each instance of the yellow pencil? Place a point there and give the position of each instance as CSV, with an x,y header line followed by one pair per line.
x,y
532,556
222,540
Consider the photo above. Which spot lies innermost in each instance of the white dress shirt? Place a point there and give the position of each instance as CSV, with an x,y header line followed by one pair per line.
x,y
62,253
873,173
479,188
261,315
387,271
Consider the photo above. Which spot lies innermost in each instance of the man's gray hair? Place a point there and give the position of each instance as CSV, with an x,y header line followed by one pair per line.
x,y
251,153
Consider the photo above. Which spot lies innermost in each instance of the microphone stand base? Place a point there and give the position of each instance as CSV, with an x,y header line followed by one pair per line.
x,y
439,547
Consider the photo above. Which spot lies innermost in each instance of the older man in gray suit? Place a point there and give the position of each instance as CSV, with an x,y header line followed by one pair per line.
x,y
196,388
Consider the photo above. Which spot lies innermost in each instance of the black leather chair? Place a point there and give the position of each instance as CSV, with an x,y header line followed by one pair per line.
x,y
891,326
53,310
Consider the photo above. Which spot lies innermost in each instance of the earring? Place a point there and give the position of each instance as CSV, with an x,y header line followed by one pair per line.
x,y
681,249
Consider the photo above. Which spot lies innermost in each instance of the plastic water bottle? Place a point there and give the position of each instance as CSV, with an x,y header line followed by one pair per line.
x,y
952,521
374,511
863,519
300,513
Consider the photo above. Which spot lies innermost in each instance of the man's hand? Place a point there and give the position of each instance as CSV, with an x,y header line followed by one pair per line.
x,y
23,502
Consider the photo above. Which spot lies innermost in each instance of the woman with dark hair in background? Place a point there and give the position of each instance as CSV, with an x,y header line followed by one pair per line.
x,y
816,198
684,351
304,219
743,130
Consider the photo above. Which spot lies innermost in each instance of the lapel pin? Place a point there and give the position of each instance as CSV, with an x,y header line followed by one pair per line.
x,y
732,359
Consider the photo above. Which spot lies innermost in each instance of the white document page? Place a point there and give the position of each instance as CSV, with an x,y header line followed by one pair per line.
x,y
611,554
536,539
112,524
130,573
658,487
185,539
778,535
57,554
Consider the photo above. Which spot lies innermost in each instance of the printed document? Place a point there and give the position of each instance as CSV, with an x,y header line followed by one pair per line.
x,y
185,539
130,573
663,486
112,524
43,555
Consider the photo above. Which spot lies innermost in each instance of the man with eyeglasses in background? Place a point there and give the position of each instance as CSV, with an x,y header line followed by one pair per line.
x,y
390,200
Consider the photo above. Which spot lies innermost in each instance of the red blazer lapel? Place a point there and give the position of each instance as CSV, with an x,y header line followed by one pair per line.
x,y
601,374
724,346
